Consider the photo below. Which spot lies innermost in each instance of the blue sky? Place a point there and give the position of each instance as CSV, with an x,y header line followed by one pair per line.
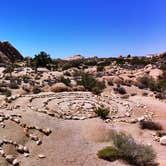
x,y
101,28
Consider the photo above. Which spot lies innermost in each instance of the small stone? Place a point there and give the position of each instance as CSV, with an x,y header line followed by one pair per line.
x,y
127,114
41,156
26,150
46,131
107,121
2,152
133,120
20,148
15,162
39,142
10,158
34,137
142,118
26,154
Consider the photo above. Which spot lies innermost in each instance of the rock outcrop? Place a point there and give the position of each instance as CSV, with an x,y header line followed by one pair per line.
x,y
8,53
75,57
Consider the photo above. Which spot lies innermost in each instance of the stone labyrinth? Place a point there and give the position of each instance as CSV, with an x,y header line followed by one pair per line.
x,y
70,105
64,105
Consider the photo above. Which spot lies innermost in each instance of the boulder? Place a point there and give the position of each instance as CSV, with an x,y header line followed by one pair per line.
x,y
156,73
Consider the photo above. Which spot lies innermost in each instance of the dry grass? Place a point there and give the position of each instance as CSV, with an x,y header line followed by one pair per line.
x,y
59,87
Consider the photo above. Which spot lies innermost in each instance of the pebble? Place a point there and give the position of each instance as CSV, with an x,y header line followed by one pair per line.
x,y
41,156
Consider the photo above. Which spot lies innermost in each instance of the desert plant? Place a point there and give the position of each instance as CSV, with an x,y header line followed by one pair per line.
x,y
36,89
42,60
102,112
109,153
25,78
13,85
91,84
8,93
137,154
100,68
64,80
150,125
121,90
59,87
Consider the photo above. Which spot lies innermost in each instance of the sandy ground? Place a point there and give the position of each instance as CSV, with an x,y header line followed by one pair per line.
x,y
76,142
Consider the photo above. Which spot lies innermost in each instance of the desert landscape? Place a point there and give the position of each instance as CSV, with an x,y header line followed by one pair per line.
x,y
82,111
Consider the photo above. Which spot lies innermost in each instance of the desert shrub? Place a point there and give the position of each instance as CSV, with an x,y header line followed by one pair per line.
x,y
13,85
129,150
109,153
5,91
66,66
150,125
36,89
102,112
66,81
90,62
91,84
154,86
8,93
59,87
3,84
67,73
144,81
42,60
25,79
121,90
100,68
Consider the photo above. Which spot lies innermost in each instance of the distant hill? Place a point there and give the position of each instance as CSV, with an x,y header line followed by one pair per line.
x,y
8,53
75,57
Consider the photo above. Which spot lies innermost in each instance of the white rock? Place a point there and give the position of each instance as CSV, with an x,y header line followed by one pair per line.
x,y
163,140
10,158
26,154
141,118
15,162
41,156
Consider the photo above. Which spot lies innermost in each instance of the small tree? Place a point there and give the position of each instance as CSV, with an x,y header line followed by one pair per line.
x,y
9,69
42,60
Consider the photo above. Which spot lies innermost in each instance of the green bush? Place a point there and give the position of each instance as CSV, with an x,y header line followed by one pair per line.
x,y
121,90
100,68
8,93
109,153
25,79
91,84
13,85
150,125
102,112
66,81
139,155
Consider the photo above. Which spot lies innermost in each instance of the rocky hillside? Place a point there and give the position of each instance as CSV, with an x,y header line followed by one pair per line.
x,y
8,53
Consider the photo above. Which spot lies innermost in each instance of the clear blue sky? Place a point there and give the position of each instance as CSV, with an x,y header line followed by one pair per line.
x,y
89,27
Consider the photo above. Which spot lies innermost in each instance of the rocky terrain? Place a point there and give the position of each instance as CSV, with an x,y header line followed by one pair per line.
x,y
8,53
63,112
